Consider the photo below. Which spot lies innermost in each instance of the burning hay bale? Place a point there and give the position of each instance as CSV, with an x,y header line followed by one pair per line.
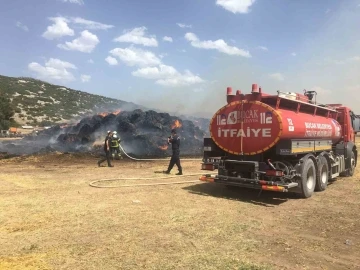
x,y
142,133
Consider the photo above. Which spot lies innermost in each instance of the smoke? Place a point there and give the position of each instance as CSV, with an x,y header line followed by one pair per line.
x,y
142,134
325,58
205,99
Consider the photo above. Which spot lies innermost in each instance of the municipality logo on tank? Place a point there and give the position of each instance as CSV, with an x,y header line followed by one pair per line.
x,y
248,116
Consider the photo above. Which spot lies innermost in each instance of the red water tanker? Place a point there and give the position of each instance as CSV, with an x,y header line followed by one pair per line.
x,y
279,142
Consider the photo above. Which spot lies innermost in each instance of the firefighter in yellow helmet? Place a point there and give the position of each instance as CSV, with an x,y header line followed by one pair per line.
x,y
115,146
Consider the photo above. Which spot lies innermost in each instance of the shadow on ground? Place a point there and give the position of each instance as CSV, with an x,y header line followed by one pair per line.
x,y
265,198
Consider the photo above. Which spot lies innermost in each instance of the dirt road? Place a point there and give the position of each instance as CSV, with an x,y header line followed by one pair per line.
x,y
50,218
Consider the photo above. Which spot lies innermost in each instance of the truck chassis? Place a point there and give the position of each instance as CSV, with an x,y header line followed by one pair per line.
x,y
301,173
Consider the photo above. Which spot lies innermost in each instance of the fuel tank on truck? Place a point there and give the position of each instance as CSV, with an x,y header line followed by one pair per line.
x,y
252,127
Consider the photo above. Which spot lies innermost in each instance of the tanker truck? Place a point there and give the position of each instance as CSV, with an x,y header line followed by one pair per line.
x,y
285,142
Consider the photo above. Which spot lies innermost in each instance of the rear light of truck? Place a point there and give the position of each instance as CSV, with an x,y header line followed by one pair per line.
x,y
273,188
208,167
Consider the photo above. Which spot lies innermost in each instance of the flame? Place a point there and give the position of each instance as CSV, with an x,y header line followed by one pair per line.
x,y
164,147
103,114
176,124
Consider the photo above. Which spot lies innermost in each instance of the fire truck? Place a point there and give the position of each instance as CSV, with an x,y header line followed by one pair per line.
x,y
285,142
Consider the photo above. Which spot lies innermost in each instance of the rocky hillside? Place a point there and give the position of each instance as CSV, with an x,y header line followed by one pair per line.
x,y
40,102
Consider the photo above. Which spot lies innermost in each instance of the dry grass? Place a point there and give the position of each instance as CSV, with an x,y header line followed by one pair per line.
x,y
50,218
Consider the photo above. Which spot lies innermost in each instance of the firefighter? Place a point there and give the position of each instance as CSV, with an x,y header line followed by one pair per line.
x,y
174,140
107,143
115,146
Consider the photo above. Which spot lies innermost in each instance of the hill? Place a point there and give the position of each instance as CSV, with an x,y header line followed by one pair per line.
x,y
37,101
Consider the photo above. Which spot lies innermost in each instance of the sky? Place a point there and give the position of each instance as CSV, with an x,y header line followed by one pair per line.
x,y
180,56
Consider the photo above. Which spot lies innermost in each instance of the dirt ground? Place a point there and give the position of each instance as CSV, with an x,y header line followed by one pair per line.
x,y
50,218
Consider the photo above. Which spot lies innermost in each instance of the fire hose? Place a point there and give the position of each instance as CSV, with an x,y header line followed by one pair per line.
x,y
92,184
153,159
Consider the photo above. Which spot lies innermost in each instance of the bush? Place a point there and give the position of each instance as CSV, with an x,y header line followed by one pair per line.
x,y
6,112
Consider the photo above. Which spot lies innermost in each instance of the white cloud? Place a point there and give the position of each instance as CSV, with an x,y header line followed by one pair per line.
x,y
86,43
59,29
263,48
111,61
22,26
79,2
168,76
277,76
219,45
333,61
90,61
236,6
54,69
355,58
136,57
137,36
293,54
85,78
184,25
341,62
169,39
91,24
156,72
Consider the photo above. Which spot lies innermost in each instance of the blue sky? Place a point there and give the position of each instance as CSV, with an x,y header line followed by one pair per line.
x,y
116,48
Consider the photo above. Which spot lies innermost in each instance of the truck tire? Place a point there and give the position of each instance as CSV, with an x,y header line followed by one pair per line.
x,y
322,178
308,178
351,170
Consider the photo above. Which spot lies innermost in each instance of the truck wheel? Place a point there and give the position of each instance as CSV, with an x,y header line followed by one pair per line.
x,y
323,175
351,170
308,178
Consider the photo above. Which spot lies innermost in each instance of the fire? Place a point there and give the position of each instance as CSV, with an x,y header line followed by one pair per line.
x,y
103,114
164,147
176,124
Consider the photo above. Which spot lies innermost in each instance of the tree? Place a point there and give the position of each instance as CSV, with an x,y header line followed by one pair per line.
x,y
6,113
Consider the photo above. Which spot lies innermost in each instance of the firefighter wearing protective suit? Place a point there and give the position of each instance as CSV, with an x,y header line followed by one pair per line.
x,y
174,140
107,150
115,146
